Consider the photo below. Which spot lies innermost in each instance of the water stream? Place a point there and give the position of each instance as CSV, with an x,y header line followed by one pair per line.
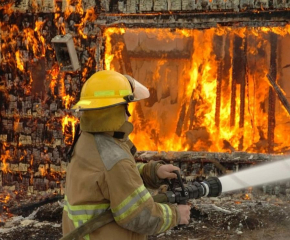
x,y
258,175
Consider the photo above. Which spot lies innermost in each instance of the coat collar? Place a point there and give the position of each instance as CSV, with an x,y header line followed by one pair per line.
x,y
123,132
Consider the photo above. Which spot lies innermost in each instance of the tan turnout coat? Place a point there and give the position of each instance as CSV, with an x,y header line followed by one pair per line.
x,y
103,175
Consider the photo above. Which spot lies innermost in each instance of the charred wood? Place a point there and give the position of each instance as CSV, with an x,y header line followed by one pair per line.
x,y
174,55
279,93
191,112
236,53
196,19
219,51
243,90
218,94
190,156
272,99
180,120
28,208
228,146
123,55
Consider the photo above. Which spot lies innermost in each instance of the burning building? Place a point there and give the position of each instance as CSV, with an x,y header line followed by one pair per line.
x,y
217,72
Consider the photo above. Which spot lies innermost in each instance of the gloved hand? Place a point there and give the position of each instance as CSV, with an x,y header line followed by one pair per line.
x,y
165,171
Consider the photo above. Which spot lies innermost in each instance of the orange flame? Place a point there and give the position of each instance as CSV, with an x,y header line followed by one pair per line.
x,y
89,17
19,60
4,157
67,123
194,84
68,100
246,197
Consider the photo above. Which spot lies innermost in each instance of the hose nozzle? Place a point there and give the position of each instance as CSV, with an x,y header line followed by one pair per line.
x,y
210,187
213,187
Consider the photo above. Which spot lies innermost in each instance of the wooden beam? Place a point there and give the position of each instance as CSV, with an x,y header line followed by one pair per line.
x,y
280,93
272,99
203,157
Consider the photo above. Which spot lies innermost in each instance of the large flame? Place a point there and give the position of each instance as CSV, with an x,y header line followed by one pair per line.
x,y
183,115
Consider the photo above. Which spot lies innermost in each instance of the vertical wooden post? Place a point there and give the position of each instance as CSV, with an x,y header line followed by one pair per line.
x,y
238,74
272,97
243,91
218,93
219,51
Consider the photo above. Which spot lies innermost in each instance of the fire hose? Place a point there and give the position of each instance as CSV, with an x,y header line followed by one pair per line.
x,y
177,193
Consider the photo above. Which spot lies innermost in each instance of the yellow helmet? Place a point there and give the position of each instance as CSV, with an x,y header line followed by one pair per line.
x,y
109,88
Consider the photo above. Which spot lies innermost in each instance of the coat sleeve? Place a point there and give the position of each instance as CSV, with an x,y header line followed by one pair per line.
x,y
148,173
132,205
147,170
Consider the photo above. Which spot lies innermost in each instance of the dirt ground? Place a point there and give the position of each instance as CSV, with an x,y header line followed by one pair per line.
x,y
245,221
264,217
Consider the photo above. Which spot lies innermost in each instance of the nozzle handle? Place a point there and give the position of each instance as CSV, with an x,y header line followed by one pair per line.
x,y
180,183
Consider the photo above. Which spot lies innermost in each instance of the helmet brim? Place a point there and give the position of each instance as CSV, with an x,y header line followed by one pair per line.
x,y
93,104
90,104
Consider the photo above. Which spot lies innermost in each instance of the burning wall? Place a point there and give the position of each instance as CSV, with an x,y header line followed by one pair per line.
x,y
192,74
209,90
36,124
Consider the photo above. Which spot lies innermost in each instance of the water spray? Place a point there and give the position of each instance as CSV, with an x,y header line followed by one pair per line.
x,y
255,176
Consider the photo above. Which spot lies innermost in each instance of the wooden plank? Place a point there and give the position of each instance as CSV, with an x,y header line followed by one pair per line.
x,y
272,99
191,156
279,93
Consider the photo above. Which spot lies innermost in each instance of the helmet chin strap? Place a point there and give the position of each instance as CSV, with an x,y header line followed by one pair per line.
x,y
127,110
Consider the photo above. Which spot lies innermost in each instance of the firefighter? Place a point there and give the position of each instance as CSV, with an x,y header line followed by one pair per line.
x,y
103,174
